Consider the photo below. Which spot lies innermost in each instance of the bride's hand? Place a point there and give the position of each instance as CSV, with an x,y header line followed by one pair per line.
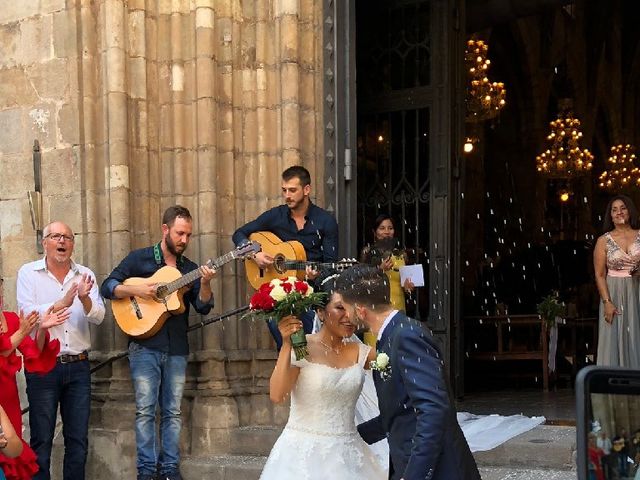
x,y
288,326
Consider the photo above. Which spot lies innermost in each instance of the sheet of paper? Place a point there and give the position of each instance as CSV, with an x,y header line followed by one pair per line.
x,y
414,272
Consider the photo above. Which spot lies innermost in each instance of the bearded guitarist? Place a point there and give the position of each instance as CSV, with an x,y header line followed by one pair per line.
x,y
298,219
158,363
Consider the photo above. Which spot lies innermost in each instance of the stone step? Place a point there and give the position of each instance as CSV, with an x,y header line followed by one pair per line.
x,y
544,453
489,473
253,440
222,467
246,467
545,447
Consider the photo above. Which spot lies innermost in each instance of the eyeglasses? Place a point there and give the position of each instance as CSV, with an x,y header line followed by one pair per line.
x,y
56,237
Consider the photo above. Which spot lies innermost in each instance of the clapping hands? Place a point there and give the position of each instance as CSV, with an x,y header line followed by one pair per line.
x,y
84,286
49,319
81,289
67,300
28,322
53,319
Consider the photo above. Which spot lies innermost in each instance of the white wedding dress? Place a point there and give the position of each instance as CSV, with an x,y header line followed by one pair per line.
x,y
320,439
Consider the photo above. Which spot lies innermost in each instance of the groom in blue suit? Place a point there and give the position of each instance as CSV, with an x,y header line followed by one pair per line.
x,y
416,413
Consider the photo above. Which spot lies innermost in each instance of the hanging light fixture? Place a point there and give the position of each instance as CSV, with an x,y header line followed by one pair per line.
x,y
564,195
468,144
484,99
565,158
622,171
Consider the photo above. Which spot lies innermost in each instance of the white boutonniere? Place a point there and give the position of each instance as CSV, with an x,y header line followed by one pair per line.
x,y
381,364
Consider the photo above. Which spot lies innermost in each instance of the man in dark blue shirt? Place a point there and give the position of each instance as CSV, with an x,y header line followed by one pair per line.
x,y
158,363
298,219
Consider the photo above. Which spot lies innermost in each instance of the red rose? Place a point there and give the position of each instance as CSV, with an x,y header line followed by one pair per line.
x,y
261,301
265,287
287,287
301,287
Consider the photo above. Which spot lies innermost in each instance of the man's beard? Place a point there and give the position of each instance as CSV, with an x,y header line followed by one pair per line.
x,y
60,257
172,247
295,204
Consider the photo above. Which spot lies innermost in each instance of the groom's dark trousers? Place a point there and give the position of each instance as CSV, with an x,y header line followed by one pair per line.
x,y
416,412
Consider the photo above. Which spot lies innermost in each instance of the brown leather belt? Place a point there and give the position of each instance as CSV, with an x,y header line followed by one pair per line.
x,y
64,358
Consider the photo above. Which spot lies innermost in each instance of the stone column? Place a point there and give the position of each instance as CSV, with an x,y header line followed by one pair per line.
x,y
139,105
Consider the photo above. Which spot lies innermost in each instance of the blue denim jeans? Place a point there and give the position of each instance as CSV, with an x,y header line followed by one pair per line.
x,y
158,381
69,385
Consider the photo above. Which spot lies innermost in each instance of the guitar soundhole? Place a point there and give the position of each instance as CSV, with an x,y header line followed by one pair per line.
x,y
278,263
161,291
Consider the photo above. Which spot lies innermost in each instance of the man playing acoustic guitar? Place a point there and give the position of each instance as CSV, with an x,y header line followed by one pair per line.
x,y
298,219
158,363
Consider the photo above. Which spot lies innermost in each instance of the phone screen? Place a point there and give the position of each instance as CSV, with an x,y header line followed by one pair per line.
x,y
609,424
613,444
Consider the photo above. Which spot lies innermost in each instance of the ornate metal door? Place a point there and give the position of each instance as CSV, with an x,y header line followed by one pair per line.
x,y
393,173
400,151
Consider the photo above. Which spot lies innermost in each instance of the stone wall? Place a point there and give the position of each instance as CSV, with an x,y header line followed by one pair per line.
x,y
138,105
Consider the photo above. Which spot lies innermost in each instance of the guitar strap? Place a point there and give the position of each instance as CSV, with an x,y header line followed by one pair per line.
x,y
157,254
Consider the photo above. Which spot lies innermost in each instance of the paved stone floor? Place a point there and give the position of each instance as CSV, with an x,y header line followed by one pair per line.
x,y
533,474
558,407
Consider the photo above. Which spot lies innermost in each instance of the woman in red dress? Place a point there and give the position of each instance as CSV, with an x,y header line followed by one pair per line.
x,y
40,356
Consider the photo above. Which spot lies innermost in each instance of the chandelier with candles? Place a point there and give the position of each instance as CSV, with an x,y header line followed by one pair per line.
x,y
622,170
564,158
484,99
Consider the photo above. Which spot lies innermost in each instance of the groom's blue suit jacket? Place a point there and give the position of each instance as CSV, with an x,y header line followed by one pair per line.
x,y
416,412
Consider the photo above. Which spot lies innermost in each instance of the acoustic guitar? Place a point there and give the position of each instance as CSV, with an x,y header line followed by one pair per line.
x,y
289,260
142,318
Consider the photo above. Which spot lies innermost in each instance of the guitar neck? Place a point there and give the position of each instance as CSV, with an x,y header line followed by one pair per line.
x,y
192,276
302,265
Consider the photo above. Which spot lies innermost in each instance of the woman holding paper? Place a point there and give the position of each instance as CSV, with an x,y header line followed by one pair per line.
x,y
385,254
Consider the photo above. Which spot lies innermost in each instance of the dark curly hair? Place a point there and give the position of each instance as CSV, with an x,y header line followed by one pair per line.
x,y
634,221
328,286
364,284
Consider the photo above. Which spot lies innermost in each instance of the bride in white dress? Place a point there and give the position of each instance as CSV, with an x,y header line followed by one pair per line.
x,y
320,439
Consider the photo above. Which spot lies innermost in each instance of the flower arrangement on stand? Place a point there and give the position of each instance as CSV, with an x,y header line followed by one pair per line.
x,y
285,297
550,308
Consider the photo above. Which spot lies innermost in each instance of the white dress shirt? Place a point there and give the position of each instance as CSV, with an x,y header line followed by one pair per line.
x,y
385,323
38,289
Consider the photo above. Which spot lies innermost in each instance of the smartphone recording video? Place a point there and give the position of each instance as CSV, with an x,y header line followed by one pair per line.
x,y
608,423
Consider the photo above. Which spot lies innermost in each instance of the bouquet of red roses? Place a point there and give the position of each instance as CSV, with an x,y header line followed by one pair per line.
x,y
283,297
